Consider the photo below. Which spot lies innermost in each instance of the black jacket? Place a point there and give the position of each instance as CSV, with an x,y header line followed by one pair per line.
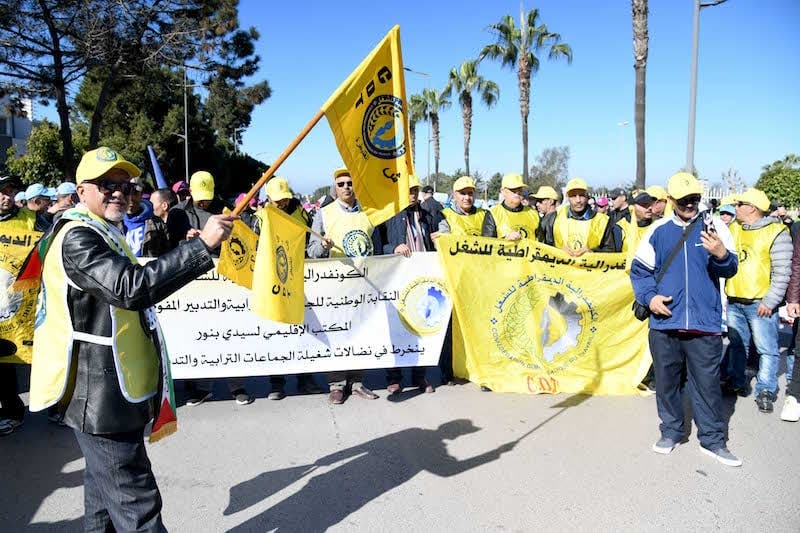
x,y
393,231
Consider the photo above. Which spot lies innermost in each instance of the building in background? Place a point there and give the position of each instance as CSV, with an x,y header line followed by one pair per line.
x,y
14,130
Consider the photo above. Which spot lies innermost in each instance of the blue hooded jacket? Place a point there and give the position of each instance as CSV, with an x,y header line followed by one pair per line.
x,y
135,227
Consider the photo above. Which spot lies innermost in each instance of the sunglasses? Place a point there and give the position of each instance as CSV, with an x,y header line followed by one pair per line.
x,y
111,186
686,200
740,204
343,184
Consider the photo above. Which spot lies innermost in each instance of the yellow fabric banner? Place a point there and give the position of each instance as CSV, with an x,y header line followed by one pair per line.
x,y
368,115
542,322
17,308
237,255
278,276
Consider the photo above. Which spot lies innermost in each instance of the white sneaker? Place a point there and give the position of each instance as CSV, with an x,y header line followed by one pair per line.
x,y
791,409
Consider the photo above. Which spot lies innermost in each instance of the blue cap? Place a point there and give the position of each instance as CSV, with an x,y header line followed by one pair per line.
x,y
20,196
728,209
66,188
37,189
52,193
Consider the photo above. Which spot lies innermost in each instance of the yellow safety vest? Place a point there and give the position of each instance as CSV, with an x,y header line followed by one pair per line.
x,y
25,220
576,234
351,231
525,221
631,235
752,279
135,356
471,224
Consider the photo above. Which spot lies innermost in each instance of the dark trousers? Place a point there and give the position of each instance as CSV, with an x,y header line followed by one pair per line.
x,y
120,492
794,386
193,386
701,354
446,357
395,375
12,405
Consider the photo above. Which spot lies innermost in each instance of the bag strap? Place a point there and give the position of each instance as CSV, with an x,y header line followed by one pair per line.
x,y
675,249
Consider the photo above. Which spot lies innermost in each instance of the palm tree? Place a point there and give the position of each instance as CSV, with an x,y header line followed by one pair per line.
x,y
639,12
416,113
517,46
465,81
435,101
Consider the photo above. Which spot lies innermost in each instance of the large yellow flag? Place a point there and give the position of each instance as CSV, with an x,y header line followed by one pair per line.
x,y
17,307
278,276
542,321
237,255
368,114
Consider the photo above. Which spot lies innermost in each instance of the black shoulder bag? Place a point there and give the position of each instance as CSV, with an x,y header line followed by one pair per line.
x,y
642,312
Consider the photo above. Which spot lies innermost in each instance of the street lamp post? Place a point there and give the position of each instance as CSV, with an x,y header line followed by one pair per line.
x,y
185,125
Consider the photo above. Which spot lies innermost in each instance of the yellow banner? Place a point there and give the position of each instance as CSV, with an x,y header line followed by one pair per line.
x,y
368,114
237,255
278,276
17,308
542,322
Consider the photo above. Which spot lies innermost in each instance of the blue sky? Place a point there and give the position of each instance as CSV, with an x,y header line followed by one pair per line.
x,y
747,113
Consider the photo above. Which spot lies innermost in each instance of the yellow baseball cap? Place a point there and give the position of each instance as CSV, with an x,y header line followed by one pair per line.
x,y
657,191
464,182
278,189
575,184
682,185
728,199
341,171
512,181
546,191
755,197
202,186
413,181
95,163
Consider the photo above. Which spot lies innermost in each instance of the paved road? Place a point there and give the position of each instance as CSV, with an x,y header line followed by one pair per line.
x,y
456,460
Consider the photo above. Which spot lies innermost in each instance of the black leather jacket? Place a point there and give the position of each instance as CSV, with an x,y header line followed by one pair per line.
x,y
93,402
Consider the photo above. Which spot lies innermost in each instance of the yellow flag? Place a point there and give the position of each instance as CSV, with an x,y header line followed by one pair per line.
x,y
278,277
368,114
543,322
237,255
17,307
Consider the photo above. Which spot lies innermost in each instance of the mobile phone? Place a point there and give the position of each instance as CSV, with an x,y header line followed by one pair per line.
x,y
708,222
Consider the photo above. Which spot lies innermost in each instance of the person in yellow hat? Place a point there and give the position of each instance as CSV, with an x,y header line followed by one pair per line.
x,y
511,219
98,359
545,200
343,223
660,205
408,233
576,229
754,294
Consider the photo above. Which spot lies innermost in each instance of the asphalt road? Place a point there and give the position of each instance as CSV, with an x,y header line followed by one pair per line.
x,y
456,460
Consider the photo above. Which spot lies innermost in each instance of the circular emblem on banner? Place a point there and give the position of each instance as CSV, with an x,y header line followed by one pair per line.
x,y
424,306
9,301
383,128
281,264
238,252
356,243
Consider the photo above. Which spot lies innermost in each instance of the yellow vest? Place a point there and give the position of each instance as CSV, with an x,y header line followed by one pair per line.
x,y
352,232
465,224
575,234
631,235
135,355
752,246
526,221
25,220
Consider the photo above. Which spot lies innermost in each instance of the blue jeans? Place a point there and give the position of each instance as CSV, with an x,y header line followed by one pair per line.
x,y
744,324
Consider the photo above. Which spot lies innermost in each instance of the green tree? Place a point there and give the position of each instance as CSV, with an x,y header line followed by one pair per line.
x,y
640,47
551,168
780,180
465,81
434,102
516,47
494,186
42,161
416,113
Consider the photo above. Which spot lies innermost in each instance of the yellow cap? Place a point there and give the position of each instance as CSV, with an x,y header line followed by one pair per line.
x,y
755,197
682,185
729,199
413,181
464,182
202,186
576,183
341,171
545,191
512,181
278,189
95,163
657,191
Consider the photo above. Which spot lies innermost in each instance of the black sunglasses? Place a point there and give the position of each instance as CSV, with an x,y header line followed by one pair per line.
x,y
686,200
344,184
112,186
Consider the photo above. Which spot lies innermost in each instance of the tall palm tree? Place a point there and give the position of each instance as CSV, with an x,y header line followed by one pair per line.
x,y
416,113
465,81
518,46
435,102
639,13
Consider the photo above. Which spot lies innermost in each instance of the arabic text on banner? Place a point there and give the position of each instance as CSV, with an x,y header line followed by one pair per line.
x,y
17,308
387,311
542,321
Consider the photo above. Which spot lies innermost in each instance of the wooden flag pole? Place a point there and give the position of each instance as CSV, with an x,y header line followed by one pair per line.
x,y
265,177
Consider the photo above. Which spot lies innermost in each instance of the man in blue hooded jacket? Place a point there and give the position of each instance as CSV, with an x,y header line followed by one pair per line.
x,y
145,233
686,319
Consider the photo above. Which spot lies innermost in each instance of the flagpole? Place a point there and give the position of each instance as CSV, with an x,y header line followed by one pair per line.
x,y
265,177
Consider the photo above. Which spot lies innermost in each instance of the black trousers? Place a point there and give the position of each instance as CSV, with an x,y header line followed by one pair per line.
x,y
446,357
120,492
395,375
794,386
12,405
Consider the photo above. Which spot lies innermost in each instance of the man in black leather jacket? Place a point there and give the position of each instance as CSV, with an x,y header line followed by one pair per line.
x,y
101,283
